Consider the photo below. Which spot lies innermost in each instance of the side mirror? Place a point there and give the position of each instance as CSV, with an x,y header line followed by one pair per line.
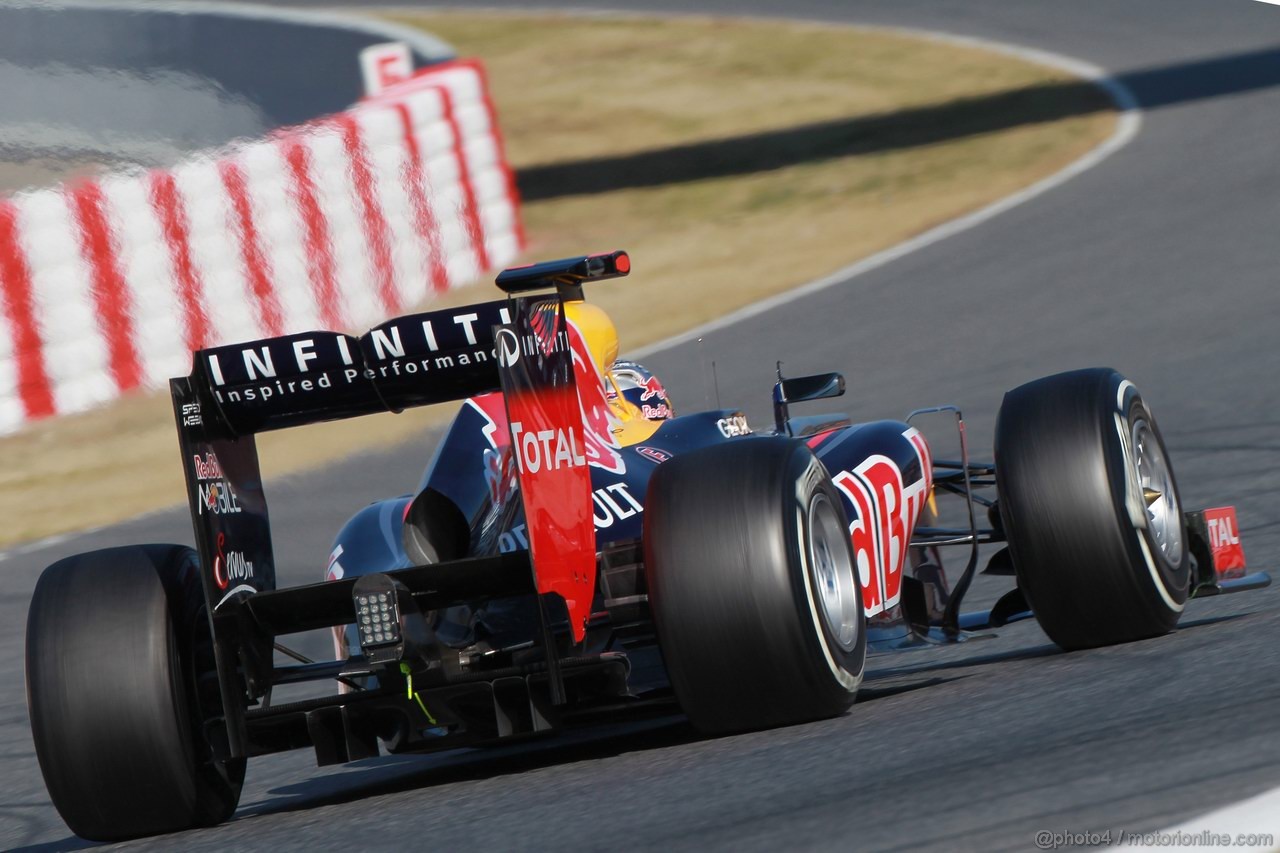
x,y
802,389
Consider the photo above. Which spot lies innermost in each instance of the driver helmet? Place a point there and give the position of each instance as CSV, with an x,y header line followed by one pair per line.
x,y
641,389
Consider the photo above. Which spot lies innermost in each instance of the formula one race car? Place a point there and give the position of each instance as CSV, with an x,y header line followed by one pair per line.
x,y
575,548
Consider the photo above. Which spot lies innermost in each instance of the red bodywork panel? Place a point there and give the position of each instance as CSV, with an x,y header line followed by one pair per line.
x,y
1224,542
544,416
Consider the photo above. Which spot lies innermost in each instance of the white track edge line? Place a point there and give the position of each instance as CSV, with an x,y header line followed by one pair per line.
x,y
1128,123
1259,815
1127,126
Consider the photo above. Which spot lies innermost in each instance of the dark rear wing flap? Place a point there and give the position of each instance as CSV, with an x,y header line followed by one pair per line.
x,y
310,377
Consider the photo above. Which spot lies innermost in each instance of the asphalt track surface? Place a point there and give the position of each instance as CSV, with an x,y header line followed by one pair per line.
x,y
1161,262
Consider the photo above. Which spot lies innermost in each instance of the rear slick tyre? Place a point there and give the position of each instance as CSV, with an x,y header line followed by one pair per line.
x,y
113,637
1091,510
752,586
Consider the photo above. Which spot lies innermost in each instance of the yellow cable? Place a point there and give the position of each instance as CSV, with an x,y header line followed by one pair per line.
x,y
410,694
424,710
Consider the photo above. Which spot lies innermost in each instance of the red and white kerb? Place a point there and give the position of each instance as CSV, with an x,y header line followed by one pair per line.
x,y
108,284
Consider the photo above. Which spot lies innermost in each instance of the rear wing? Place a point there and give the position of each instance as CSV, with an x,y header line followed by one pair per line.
x,y
237,391
416,360
522,346
288,381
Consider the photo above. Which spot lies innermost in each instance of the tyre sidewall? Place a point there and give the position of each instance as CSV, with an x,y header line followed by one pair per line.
x,y
843,669
218,783
1171,583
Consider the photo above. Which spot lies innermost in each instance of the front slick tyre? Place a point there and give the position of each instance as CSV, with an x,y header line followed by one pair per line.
x,y
1091,509
752,586
113,641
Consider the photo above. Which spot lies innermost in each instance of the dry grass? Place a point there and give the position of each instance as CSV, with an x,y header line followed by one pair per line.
x,y
789,207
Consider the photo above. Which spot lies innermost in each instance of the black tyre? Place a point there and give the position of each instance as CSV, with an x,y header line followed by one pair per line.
x,y
1091,509
117,650
753,587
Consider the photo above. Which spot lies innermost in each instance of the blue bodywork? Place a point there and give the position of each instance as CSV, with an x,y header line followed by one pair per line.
x,y
464,481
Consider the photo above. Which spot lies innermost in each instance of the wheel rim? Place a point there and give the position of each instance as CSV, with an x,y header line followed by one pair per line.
x,y
832,571
1155,482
